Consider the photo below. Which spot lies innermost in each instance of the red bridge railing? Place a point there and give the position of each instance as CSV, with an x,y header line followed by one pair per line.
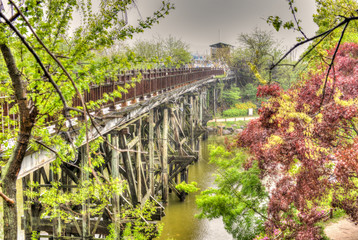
x,y
152,82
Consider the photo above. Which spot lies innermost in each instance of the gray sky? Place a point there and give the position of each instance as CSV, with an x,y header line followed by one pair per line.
x,y
198,22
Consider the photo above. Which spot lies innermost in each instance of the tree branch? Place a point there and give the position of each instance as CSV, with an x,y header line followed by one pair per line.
x,y
68,76
332,61
354,126
345,21
7,199
311,49
297,23
73,165
47,74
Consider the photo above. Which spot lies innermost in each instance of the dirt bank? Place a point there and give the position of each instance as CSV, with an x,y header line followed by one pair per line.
x,y
342,230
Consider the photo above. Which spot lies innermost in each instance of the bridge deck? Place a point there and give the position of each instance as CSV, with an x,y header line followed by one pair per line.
x,y
116,117
152,82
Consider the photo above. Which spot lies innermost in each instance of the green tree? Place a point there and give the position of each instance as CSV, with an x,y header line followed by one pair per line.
x,y
149,49
249,92
231,96
260,46
239,198
169,51
40,86
253,58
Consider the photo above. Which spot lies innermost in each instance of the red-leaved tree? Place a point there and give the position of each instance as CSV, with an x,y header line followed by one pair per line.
x,y
306,143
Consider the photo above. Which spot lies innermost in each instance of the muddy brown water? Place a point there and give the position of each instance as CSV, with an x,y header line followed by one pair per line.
x,y
179,222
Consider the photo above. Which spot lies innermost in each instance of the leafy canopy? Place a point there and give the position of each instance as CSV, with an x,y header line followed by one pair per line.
x,y
239,198
305,142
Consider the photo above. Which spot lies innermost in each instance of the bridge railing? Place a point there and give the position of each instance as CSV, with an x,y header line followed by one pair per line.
x,y
152,82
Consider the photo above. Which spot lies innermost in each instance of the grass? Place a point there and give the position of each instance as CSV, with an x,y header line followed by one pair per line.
x,y
219,140
220,76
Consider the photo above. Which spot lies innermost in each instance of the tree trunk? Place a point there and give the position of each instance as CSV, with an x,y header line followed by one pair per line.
x,y
27,119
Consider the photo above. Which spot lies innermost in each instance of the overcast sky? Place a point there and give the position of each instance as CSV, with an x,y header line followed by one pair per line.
x,y
198,22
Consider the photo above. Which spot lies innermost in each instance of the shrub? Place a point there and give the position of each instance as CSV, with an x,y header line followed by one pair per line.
x,y
245,105
234,112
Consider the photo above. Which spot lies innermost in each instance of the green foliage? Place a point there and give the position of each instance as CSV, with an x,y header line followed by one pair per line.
x,y
168,52
140,228
249,92
77,53
231,96
112,232
245,105
275,21
35,235
220,76
187,187
239,198
72,64
57,204
252,61
329,14
234,112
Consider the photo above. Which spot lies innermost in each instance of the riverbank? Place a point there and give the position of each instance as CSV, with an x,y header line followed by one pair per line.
x,y
343,229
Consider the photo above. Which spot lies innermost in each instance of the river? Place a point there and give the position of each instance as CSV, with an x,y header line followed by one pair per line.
x,y
179,222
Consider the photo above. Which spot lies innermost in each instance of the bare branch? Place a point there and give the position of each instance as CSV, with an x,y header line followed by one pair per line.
x,y
354,126
345,21
332,62
297,23
311,49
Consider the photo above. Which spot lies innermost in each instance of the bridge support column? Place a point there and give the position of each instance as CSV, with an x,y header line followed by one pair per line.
x,y
165,194
139,161
57,220
214,97
36,207
151,151
27,212
191,122
201,96
128,167
85,177
115,175
182,115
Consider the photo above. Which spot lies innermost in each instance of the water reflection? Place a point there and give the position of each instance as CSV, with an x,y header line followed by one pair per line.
x,y
179,222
